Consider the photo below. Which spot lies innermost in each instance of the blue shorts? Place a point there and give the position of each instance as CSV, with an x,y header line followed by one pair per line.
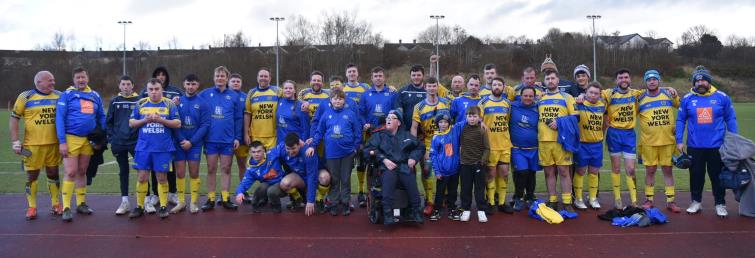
x,y
193,154
211,148
525,159
590,154
154,161
622,141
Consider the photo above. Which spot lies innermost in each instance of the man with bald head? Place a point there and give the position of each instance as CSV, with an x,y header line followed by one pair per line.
x,y
38,145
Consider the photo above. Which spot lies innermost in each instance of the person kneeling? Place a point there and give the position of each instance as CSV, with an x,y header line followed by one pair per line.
x,y
266,171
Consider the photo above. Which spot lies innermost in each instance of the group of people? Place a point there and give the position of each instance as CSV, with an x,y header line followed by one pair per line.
x,y
306,144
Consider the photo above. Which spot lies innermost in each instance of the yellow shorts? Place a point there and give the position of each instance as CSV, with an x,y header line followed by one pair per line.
x,y
499,157
657,155
552,153
78,145
42,156
269,142
241,151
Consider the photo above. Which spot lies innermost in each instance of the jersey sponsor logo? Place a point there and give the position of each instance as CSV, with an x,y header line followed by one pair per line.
x,y
378,108
704,115
448,149
46,117
660,117
336,132
87,106
218,112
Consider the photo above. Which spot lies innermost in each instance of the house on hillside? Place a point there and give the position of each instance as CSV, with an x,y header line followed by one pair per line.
x,y
635,41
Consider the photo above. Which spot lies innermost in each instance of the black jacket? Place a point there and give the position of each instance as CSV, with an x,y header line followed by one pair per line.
x,y
408,97
118,113
398,148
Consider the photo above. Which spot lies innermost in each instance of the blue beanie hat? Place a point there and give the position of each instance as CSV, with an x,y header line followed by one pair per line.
x,y
397,113
443,116
652,74
701,73
582,69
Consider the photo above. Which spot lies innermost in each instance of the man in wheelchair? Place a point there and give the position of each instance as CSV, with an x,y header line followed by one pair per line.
x,y
396,152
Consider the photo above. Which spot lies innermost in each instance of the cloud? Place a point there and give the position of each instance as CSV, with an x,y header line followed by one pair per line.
x,y
147,7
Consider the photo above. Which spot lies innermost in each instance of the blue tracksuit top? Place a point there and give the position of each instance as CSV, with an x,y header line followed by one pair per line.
x,y
523,125
195,120
78,113
374,105
348,104
267,171
305,167
340,131
226,115
444,151
707,117
291,118
459,106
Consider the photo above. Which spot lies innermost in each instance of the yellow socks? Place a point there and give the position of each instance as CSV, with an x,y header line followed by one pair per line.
x,y
490,191
194,186
592,183
322,190
649,192
632,189
162,193
552,198
81,195
211,196
502,187
224,195
31,193
181,189
141,193
669,193
361,181
54,187
294,194
616,184
429,184
67,193
566,198
578,182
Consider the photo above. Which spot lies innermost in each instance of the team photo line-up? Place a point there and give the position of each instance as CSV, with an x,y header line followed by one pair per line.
x,y
465,140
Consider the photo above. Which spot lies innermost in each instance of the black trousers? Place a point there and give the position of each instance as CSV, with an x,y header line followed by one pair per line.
x,y
120,152
391,179
524,181
273,193
702,159
472,178
445,189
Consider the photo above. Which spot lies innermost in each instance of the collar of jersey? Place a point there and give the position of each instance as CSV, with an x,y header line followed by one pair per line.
x,y
133,94
87,89
710,92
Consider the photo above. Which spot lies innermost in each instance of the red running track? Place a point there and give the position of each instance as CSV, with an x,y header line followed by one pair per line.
x,y
245,234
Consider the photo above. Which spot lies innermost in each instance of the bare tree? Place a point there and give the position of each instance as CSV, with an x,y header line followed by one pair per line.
x,y
736,41
344,29
71,42
237,39
444,32
693,34
300,31
173,43
58,41
143,45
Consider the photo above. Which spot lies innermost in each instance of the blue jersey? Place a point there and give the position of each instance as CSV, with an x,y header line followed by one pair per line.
x,y
444,151
267,171
340,131
375,105
291,119
707,118
154,136
195,120
78,113
305,167
459,106
348,105
523,125
226,115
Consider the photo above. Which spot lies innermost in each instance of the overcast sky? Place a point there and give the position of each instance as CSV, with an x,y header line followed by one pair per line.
x,y
25,24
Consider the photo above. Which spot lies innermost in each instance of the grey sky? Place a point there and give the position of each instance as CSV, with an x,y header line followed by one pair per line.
x,y
27,23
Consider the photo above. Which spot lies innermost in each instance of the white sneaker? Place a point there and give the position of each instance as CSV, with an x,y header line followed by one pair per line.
x,y
193,208
481,217
580,204
595,204
721,210
465,215
149,208
618,204
154,199
172,198
694,207
178,208
123,208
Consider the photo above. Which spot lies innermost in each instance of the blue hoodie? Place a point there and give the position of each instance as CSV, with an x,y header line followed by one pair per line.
x,y
195,120
226,115
78,113
305,167
444,151
374,105
267,171
291,119
707,118
523,125
349,104
340,130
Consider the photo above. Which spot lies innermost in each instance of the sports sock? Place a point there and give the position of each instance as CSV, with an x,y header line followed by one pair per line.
x,y
31,193
669,193
616,184
592,182
566,198
490,191
81,195
67,193
211,196
181,189
429,184
578,183
294,194
194,186
322,190
649,192
224,195
502,188
141,193
361,181
552,198
162,193
632,189
54,187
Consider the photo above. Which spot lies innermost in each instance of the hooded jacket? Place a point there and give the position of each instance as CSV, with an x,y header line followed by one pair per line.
x,y
707,117
169,91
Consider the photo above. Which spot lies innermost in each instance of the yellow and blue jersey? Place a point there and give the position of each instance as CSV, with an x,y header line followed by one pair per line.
x,y
154,136
552,106
78,113
591,121
495,115
424,114
355,91
657,118
38,111
262,105
315,99
622,107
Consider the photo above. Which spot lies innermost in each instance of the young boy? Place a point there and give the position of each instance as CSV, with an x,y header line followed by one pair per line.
x,y
268,173
473,156
122,137
444,154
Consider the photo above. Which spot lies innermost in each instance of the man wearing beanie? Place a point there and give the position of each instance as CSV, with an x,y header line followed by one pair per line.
x,y
582,76
707,114
563,85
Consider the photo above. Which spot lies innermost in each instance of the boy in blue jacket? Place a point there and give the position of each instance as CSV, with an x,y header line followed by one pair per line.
x,y
444,154
268,173
195,122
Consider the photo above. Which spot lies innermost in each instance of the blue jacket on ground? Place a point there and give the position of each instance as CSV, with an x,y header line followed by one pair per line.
x,y
374,105
340,131
78,113
707,117
195,120
444,151
118,113
523,125
568,133
226,115
305,167
291,119
268,171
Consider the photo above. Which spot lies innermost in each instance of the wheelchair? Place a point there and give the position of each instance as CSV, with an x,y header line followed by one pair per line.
x,y
375,196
